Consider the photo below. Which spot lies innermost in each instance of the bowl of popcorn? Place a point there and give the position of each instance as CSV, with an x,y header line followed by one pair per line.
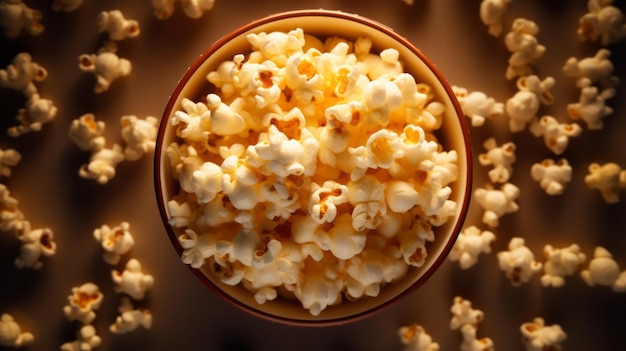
x,y
313,167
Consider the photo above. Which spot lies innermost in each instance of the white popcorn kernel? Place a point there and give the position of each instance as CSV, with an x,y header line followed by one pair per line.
x,y
87,133
541,88
132,281
139,136
415,338
224,120
464,314
383,65
608,178
380,98
591,107
115,241
105,65
603,22
86,340
497,202
521,108
518,262
22,74
66,5
196,248
11,334
102,164
537,336
277,46
472,343
33,116
603,270
344,241
116,25
367,197
552,175
325,199
83,302
400,196
320,288
164,9
130,318
525,49
593,70
16,16
477,106
491,12
556,135
560,262
380,151
500,157
207,182
11,218
413,242
470,243
35,244
9,158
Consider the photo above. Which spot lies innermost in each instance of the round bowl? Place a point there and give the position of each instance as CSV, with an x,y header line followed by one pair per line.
x,y
452,135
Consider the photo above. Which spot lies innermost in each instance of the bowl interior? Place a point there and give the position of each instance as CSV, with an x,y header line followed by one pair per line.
x,y
453,135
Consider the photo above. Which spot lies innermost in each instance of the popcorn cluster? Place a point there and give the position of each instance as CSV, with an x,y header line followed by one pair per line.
x,y
537,336
314,167
466,319
415,338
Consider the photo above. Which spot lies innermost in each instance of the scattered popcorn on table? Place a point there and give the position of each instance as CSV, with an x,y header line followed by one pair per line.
x,y
525,49
537,336
11,334
552,175
102,164
132,281
472,343
415,338
464,314
15,16
9,158
117,27
115,241
34,244
560,262
608,178
556,135
591,107
86,340
604,270
105,65
518,262
130,318
11,217
33,116
163,9
521,109
22,74
477,106
541,88
603,22
83,302
594,70
497,202
66,5
470,243
87,133
491,12
139,136
500,157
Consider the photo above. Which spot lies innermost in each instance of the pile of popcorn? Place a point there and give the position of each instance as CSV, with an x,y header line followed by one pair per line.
x,y
312,169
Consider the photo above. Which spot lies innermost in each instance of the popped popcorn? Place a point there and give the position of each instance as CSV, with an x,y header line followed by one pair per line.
x,y
525,49
130,318
472,343
591,107
139,136
11,217
22,74
132,281
603,22
102,164
518,262
415,338
608,178
470,243
560,262
115,241
552,175
604,270
33,116
66,5
11,334
522,109
86,340
105,65
16,16
556,135
491,12
477,106
83,302
537,336
163,9
500,157
34,244
542,88
463,314
87,133
117,26
497,202
9,158
594,70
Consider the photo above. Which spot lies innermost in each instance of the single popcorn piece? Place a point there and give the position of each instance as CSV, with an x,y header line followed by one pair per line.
x,y
556,135
604,270
139,136
591,107
560,262
130,318
11,334
608,178
472,343
105,65
604,22
518,262
11,217
470,243
542,88
66,5
117,26
497,202
522,109
16,16
500,157
463,314
37,112
552,175
102,164
537,336
415,338
594,70
491,12
9,158
132,281
87,133
477,106
22,74
164,9
86,340
83,302
34,244
525,49
115,241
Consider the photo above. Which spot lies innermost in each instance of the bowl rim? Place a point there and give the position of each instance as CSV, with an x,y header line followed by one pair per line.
x,y
403,41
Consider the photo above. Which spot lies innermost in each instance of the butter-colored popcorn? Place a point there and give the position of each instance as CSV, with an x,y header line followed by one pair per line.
x,y
115,241
66,5
518,262
537,336
556,135
560,262
35,243
22,74
139,135
591,107
501,158
132,281
86,340
552,175
604,270
117,26
325,199
16,16
470,243
603,22
367,197
491,12
224,119
11,217
83,302
320,288
521,109
277,46
464,314
608,178
130,318
497,202
415,338
102,164
87,133
593,70
33,116
105,65
477,106
525,49
11,334
542,88
9,158
472,343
